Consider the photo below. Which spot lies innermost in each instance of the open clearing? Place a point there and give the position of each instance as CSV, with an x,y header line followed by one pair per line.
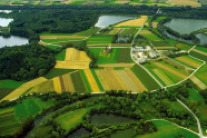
x,y
133,23
193,3
23,88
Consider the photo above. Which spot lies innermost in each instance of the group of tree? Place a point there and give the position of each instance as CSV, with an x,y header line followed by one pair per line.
x,y
25,62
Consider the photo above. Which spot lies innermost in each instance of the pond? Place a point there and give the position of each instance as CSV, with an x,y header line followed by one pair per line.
x,y
99,119
106,20
13,41
5,22
78,133
202,37
186,26
5,11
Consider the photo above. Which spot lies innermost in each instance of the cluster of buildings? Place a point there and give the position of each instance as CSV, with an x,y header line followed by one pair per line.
x,y
142,55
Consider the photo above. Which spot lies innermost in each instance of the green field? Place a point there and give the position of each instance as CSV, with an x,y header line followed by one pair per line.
x,y
61,55
202,73
150,36
124,56
198,55
10,84
147,80
52,47
60,40
194,95
57,72
78,82
4,92
97,80
85,80
169,130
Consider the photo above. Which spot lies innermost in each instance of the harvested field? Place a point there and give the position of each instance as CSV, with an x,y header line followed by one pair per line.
x,y
67,83
162,76
110,80
61,37
91,80
179,74
23,88
198,82
193,3
190,61
57,85
133,23
73,54
116,65
131,81
72,64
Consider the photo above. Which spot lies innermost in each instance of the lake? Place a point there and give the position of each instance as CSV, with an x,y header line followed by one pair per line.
x,y
186,26
99,119
6,11
5,22
13,41
202,37
106,20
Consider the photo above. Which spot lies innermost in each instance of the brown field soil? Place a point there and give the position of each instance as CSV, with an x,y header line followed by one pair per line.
x,y
60,36
189,61
116,65
76,55
91,80
162,76
57,84
68,84
135,22
201,52
179,74
23,88
193,3
198,82
72,64
110,80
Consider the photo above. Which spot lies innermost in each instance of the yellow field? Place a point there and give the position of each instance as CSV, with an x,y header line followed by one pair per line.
x,y
74,59
122,1
57,85
77,55
91,80
112,79
193,3
44,87
23,88
135,22
60,36
189,61
198,82
154,24
72,64
116,65
179,74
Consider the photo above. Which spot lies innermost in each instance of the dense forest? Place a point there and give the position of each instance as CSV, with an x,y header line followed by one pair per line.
x,y
29,23
25,62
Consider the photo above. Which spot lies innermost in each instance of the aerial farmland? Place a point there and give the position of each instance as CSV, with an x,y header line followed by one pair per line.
x,y
110,71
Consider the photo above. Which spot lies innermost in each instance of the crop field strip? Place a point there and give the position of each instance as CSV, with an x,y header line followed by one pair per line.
x,y
133,23
162,76
127,65
23,88
91,80
193,3
78,82
44,87
198,82
189,61
198,55
124,56
171,70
